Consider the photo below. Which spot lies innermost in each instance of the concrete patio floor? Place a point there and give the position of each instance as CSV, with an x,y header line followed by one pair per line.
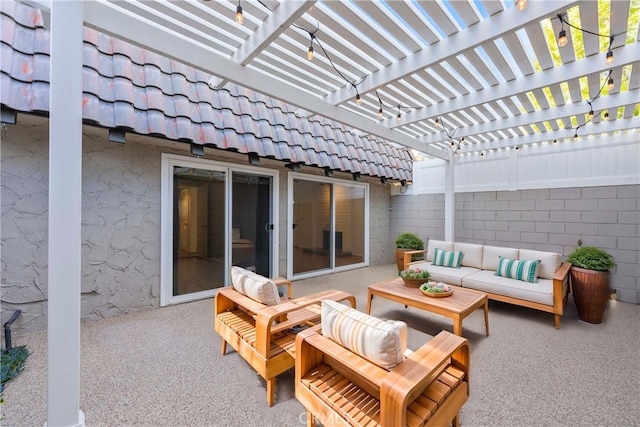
x,y
163,367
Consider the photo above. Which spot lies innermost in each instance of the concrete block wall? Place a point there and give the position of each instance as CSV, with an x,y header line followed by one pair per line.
x,y
544,219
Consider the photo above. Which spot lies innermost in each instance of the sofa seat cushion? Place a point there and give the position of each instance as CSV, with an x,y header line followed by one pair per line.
x,y
382,342
487,281
448,275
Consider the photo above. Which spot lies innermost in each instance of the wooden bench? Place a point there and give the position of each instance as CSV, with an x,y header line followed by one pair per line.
x,y
262,334
339,387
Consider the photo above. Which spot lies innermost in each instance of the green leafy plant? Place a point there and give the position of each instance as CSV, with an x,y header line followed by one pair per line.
x,y
591,258
409,240
12,362
414,273
436,288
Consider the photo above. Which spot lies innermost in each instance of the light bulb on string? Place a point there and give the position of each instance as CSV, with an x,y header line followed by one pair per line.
x,y
611,84
358,100
606,116
562,38
239,16
521,4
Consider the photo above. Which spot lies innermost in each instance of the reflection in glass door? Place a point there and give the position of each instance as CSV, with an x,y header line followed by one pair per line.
x,y
311,223
251,223
329,226
199,218
214,215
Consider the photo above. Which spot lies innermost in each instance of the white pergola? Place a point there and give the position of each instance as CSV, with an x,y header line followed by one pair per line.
x,y
492,74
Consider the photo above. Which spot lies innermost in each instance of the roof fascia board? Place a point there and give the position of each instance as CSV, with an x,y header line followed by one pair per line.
x,y
573,70
578,109
501,23
120,23
277,22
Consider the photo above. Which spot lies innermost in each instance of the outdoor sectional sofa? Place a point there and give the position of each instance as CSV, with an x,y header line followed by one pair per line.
x,y
476,266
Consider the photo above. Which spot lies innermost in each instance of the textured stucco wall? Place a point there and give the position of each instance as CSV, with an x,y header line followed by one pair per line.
x,y
545,219
120,221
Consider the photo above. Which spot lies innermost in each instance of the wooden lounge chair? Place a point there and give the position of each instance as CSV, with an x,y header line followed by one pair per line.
x,y
262,334
337,386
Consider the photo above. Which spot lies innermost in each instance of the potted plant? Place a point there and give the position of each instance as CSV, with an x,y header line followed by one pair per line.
x,y
406,241
590,281
414,277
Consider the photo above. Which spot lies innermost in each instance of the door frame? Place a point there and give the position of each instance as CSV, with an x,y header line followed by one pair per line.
x,y
333,181
168,161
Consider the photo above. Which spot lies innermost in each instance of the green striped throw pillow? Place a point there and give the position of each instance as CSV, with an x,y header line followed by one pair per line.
x,y
525,270
447,258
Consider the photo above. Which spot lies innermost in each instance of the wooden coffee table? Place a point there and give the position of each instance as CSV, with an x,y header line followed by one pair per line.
x,y
457,306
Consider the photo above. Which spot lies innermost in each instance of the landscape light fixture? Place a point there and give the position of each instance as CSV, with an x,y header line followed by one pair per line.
x,y
239,16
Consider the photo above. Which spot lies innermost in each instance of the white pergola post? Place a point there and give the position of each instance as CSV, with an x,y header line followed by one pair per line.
x,y
65,197
449,198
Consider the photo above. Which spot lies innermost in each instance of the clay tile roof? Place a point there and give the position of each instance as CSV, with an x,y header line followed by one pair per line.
x,y
140,91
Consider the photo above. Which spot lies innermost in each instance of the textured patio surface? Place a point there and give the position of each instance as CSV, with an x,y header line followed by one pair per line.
x,y
163,367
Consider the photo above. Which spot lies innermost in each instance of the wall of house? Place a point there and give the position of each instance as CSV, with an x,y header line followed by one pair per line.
x,y
544,219
120,221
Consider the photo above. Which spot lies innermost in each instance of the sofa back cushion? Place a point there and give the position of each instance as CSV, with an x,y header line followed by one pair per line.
x,y
472,254
382,342
440,244
549,261
492,254
254,286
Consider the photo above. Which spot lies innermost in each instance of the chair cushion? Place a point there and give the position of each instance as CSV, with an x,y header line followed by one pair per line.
x,y
525,270
382,342
254,286
447,258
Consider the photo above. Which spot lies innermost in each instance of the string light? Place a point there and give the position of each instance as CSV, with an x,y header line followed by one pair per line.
x,y
521,4
358,100
239,16
310,51
610,84
606,116
562,37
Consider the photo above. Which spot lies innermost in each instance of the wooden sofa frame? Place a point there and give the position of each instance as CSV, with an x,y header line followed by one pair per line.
x,y
561,289
339,387
262,334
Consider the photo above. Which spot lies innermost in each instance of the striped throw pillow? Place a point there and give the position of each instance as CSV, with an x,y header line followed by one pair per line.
x,y
254,286
525,270
447,258
382,342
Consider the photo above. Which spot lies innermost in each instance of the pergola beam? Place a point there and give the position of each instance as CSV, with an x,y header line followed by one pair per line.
x,y
277,22
610,102
593,64
502,23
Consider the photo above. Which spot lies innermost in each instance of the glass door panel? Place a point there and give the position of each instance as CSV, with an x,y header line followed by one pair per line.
x,y
349,225
252,226
198,225
311,226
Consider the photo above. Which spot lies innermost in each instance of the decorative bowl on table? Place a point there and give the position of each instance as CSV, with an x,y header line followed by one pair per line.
x,y
436,289
414,278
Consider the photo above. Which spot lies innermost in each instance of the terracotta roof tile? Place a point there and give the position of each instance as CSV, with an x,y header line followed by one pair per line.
x,y
140,91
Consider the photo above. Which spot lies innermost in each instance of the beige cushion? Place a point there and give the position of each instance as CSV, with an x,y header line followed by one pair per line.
x,y
254,286
379,341
487,281
440,244
491,255
472,254
549,261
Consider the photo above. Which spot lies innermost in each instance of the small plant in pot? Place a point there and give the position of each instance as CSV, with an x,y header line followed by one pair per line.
x,y
590,281
406,241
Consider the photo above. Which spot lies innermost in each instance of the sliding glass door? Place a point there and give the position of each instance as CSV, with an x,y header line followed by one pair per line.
x,y
328,227
214,216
